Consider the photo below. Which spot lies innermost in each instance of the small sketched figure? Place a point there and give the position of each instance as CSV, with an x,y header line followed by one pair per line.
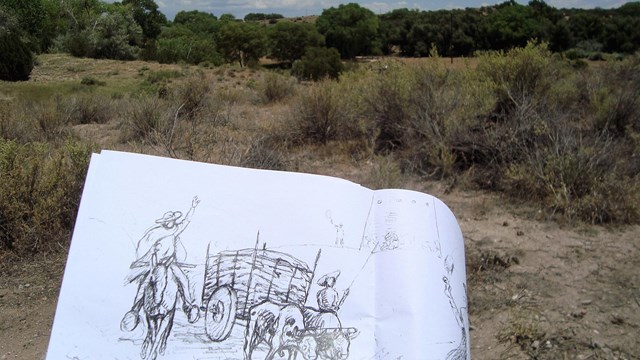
x,y
328,298
391,241
160,281
339,230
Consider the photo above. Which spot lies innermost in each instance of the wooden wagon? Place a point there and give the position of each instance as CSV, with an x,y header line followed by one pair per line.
x,y
237,280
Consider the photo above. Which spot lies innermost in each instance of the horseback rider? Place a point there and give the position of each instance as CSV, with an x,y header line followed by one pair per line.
x,y
161,241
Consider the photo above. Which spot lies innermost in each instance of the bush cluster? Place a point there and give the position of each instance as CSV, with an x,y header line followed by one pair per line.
x,y
40,188
524,122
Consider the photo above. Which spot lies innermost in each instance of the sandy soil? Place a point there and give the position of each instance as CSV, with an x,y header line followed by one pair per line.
x,y
537,289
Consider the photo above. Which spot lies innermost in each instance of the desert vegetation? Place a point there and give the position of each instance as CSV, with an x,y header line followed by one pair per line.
x,y
551,123
136,29
524,123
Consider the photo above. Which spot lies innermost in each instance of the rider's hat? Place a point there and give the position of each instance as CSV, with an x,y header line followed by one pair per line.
x,y
169,216
323,280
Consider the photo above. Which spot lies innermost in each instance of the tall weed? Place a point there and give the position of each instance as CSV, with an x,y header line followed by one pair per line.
x,y
323,112
275,87
40,187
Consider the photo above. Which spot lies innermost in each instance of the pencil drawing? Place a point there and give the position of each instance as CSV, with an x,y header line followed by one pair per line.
x,y
262,293
161,281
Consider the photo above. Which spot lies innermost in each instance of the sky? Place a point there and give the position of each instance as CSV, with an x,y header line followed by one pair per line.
x,y
292,8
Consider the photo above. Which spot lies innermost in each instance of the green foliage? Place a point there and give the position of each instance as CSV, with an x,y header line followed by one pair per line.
x,y
113,35
351,29
508,25
521,77
513,24
16,58
91,81
30,17
289,40
197,21
241,42
163,76
40,188
147,16
389,106
262,17
116,36
179,43
617,107
54,24
318,63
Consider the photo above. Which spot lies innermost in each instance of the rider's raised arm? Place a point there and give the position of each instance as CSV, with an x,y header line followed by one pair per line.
x,y
187,218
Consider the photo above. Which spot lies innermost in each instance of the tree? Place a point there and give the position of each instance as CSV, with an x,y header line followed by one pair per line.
x,y
146,14
262,17
16,58
179,43
241,41
82,14
197,21
318,63
30,16
289,40
54,24
116,36
351,29
513,25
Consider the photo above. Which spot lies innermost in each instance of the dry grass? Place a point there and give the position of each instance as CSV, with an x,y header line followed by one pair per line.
x,y
558,143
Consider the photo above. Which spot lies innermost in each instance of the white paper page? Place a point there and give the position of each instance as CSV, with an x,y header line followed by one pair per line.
x,y
421,304
128,199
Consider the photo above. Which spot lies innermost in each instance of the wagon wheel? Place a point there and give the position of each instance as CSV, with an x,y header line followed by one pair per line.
x,y
220,313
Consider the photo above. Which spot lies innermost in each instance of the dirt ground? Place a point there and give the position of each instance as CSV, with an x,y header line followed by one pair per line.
x,y
537,289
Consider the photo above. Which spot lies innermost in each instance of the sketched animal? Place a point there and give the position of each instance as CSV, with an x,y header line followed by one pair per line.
x,y
159,304
282,328
333,341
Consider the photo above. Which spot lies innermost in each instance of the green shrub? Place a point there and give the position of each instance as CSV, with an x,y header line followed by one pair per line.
x,y
389,106
91,81
275,87
318,63
263,153
89,109
146,120
521,78
577,179
616,99
192,95
321,113
16,58
40,188
25,122
163,76
191,50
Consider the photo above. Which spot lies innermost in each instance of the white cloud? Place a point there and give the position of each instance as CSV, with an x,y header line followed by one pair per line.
x,y
586,4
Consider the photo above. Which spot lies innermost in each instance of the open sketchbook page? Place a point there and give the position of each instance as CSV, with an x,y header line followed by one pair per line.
x,y
173,259
421,305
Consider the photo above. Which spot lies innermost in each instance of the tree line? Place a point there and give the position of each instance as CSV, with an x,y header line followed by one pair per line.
x,y
136,29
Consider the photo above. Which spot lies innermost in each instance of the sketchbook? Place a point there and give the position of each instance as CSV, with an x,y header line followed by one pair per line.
x,y
173,259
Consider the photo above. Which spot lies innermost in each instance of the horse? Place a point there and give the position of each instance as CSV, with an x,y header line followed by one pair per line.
x,y
159,303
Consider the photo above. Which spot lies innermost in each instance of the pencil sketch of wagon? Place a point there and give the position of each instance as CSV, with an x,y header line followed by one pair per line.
x,y
237,280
